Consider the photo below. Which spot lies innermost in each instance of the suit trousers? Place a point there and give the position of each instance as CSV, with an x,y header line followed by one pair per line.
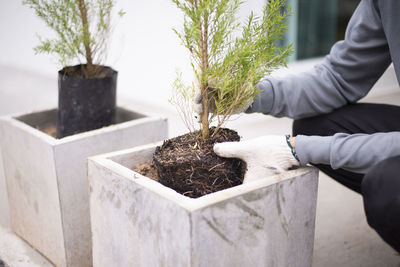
x,y
380,187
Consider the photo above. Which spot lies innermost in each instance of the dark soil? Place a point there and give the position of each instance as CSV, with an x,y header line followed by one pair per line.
x,y
78,71
190,166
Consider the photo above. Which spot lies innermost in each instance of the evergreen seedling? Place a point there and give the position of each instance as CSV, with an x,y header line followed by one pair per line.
x,y
227,68
82,28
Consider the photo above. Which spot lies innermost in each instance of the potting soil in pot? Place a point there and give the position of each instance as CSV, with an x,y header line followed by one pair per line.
x,y
189,165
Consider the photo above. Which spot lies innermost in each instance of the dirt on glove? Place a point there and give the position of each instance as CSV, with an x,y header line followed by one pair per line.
x,y
189,165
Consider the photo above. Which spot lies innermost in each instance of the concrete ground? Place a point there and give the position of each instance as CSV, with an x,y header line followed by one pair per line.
x,y
342,236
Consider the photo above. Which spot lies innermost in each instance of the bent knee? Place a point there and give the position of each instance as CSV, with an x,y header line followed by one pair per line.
x,y
380,189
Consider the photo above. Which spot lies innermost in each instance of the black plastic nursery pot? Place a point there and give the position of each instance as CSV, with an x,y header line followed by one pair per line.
x,y
85,104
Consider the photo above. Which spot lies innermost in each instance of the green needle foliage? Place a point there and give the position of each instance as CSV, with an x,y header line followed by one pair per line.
x,y
82,27
227,68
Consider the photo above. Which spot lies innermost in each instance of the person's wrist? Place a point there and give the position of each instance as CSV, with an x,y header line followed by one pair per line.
x,y
292,141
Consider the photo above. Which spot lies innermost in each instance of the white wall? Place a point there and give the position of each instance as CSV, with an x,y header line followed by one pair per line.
x,y
145,50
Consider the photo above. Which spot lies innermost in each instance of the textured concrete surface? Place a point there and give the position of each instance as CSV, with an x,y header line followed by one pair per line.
x,y
15,252
30,173
47,183
266,223
342,238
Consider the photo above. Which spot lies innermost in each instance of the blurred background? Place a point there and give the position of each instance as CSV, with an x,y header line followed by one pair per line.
x,y
146,52
147,55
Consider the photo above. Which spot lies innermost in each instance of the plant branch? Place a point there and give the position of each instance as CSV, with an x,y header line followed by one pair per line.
x,y
228,68
204,78
86,37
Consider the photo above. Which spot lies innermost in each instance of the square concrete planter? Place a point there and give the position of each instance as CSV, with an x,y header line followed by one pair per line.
x,y
138,222
47,178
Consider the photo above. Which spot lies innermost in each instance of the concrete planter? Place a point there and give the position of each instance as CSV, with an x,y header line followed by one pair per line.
x,y
139,222
47,183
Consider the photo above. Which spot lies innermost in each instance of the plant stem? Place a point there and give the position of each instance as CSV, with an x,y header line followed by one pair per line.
x,y
86,38
204,80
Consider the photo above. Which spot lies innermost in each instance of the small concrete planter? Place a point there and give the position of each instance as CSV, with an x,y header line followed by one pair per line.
x,y
47,178
137,221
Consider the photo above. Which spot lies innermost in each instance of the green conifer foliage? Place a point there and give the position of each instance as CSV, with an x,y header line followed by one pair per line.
x,y
82,30
228,66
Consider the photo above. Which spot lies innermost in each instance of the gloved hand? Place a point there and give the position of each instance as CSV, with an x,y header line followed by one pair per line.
x,y
265,156
198,106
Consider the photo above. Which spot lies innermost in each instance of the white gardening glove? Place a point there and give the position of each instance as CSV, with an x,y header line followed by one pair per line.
x,y
265,156
198,106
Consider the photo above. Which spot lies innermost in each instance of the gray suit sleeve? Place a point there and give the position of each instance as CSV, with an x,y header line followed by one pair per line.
x,y
346,75
355,152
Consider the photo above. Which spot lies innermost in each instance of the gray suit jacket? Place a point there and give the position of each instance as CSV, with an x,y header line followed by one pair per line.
x,y
372,42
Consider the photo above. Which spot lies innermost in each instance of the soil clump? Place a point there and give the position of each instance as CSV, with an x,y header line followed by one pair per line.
x,y
189,165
